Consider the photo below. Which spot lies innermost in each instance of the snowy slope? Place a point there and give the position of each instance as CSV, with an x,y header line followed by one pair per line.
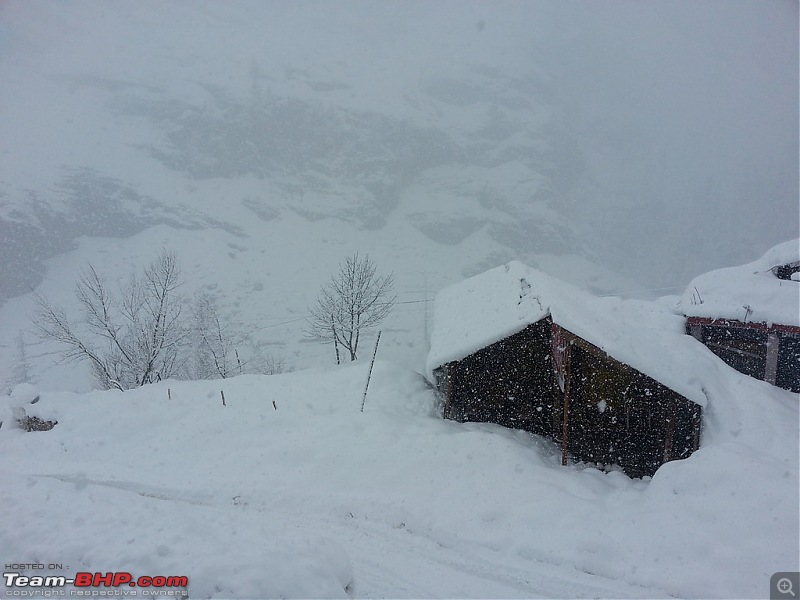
x,y
315,499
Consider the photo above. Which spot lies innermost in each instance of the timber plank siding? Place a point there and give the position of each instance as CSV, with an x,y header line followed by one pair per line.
x,y
615,415
770,352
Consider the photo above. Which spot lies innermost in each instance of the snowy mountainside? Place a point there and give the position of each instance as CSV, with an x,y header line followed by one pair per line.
x,y
263,170
535,122
312,498
216,136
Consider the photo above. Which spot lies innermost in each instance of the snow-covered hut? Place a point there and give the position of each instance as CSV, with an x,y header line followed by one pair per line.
x,y
610,380
749,315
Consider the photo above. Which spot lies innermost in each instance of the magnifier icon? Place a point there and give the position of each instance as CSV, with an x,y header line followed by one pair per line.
x,y
784,586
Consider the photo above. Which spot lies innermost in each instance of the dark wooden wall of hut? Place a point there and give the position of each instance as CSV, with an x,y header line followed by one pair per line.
x,y
616,415
619,416
746,348
789,362
742,348
508,382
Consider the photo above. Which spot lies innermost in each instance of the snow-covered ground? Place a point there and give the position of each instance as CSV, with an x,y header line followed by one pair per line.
x,y
316,499
265,142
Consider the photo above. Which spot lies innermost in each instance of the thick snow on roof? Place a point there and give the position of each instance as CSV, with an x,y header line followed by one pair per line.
x,y
484,309
480,311
751,292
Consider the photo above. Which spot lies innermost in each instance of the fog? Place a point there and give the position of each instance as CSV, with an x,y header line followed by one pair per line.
x,y
688,115
659,139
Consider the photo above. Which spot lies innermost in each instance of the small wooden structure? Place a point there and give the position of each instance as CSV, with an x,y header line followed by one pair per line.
x,y
548,380
765,351
551,382
749,316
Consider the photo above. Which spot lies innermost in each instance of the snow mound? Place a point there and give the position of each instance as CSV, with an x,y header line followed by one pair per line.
x,y
16,405
750,293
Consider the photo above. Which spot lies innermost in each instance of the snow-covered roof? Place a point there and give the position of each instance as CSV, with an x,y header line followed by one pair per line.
x,y
484,309
751,292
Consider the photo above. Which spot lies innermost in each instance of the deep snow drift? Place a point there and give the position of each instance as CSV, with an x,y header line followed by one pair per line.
x,y
315,499
750,292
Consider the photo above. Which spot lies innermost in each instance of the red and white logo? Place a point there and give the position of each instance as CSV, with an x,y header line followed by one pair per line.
x,y
112,579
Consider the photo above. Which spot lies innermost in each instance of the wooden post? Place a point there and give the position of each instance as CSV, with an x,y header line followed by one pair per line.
x,y
669,434
697,423
771,370
221,393
565,403
369,375
448,394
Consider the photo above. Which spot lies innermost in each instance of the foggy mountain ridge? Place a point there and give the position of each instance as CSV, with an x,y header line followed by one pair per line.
x,y
321,162
623,147
624,120
86,204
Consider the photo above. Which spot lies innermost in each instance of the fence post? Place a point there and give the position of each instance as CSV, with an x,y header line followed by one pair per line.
x,y
369,375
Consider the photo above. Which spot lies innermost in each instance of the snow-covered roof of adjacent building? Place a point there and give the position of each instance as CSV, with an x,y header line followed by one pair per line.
x,y
494,305
753,292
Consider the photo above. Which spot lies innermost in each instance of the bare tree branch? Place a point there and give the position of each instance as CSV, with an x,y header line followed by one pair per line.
x,y
353,301
213,347
129,342
52,323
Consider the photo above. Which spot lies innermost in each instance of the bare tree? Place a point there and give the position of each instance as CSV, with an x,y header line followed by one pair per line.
x,y
353,301
129,341
214,350
262,362
216,346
